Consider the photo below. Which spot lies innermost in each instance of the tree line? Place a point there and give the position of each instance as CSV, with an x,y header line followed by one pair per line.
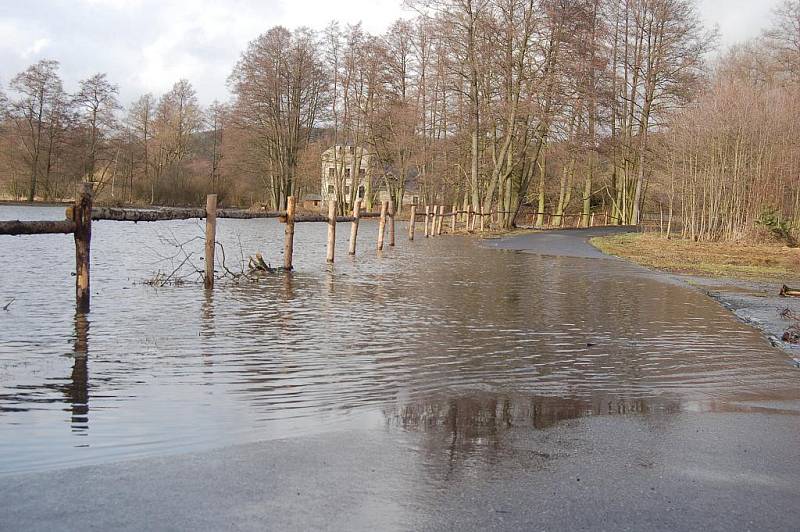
x,y
554,106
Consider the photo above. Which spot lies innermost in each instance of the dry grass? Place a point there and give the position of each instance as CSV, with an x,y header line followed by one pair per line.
x,y
715,259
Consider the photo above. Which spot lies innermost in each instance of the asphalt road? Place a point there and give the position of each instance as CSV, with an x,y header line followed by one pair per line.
x,y
718,471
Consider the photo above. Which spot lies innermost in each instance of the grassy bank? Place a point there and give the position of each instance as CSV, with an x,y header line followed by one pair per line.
x,y
716,259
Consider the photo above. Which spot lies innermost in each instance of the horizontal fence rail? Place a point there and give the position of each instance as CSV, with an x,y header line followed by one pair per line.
x,y
16,227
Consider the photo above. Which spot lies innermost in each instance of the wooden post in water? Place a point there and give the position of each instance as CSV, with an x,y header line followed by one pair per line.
x,y
288,244
391,223
382,224
482,218
453,221
468,228
354,227
427,215
211,238
331,229
82,216
441,220
412,221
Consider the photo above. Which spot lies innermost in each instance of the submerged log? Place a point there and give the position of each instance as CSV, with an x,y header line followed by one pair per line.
x,y
789,292
257,264
792,335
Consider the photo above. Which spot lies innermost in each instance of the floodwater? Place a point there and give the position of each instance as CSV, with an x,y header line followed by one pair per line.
x,y
441,336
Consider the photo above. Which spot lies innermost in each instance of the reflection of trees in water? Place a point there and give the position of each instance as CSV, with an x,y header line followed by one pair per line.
x,y
477,428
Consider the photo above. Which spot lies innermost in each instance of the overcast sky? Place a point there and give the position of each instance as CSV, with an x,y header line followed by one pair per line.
x,y
147,45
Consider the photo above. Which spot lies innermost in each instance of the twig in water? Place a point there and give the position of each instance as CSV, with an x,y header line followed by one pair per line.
x,y
166,280
787,314
9,304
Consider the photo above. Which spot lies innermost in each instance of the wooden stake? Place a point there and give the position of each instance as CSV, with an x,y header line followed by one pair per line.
x,y
382,224
412,221
354,227
453,221
82,216
288,244
211,238
427,215
441,219
331,229
391,223
468,227
482,217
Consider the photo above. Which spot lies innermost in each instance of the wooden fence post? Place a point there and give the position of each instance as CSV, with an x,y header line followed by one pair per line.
x,y
427,215
468,228
211,238
354,226
82,216
441,220
331,229
453,221
482,216
288,244
412,221
382,224
591,220
391,223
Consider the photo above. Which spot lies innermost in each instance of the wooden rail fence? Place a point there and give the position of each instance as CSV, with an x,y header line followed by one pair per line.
x,y
79,219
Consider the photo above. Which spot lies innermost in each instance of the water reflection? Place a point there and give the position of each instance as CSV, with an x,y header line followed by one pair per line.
x,y
479,430
77,390
483,417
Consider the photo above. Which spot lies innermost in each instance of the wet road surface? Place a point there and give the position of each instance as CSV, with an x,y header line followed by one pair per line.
x,y
544,388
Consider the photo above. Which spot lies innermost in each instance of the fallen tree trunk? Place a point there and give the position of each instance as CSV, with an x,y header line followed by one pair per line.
x,y
789,292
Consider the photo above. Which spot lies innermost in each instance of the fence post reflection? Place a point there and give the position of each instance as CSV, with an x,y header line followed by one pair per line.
x,y
78,390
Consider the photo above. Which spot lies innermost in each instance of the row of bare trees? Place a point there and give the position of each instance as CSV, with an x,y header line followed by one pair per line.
x,y
156,151
558,105
731,162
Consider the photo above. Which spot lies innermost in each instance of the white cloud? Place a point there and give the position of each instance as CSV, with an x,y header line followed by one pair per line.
x,y
147,45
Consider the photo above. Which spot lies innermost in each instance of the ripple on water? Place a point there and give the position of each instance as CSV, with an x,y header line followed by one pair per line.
x,y
422,337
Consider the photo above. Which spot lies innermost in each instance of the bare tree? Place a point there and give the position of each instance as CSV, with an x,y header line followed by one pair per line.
x,y
278,85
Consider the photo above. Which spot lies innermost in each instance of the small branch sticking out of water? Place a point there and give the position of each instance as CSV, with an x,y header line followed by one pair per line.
x,y
9,304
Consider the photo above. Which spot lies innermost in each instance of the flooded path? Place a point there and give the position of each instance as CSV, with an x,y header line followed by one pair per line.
x,y
439,384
